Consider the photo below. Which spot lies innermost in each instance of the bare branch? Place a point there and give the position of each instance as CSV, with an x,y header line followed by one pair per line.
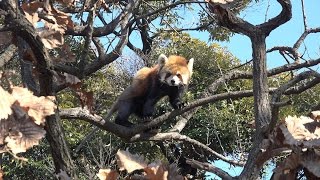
x,y
284,16
304,16
304,35
124,18
88,38
210,168
291,50
277,95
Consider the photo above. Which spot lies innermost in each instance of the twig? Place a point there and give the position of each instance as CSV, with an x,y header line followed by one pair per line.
x,y
180,137
266,15
304,16
209,167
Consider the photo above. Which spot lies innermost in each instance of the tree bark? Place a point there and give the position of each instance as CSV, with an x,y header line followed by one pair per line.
x,y
22,28
59,148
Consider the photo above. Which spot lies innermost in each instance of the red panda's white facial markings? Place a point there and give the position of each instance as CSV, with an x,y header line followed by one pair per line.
x,y
175,70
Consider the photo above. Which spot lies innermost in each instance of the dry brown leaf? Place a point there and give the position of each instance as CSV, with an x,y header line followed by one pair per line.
x,y
315,115
86,98
36,107
130,162
63,19
6,101
19,133
301,131
107,174
51,38
55,22
104,5
156,171
30,10
58,78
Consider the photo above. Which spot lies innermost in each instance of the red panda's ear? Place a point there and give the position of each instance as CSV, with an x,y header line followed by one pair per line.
x,y
190,65
162,59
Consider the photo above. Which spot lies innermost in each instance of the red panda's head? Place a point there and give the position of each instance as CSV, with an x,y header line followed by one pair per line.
x,y
175,70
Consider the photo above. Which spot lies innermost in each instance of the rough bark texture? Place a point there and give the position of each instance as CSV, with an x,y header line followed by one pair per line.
x,y
22,28
262,108
59,149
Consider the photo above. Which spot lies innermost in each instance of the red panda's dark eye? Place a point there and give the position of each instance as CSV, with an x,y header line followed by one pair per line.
x,y
179,75
168,75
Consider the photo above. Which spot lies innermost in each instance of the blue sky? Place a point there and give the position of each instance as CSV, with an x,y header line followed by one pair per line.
x,y
240,45
285,35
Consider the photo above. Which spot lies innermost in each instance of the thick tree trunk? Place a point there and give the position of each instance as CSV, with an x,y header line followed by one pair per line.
x,y
262,106
59,148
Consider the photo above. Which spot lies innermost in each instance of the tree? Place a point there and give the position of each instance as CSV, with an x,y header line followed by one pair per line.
x,y
58,68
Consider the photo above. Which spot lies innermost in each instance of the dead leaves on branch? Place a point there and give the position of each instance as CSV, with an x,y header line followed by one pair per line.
x,y
55,22
302,136
22,119
301,131
85,97
132,163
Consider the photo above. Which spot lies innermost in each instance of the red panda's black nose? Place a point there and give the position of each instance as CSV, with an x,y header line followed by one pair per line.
x,y
172,81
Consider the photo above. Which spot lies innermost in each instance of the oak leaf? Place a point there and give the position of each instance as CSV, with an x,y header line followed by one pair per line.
x,y
51,38
36,107
18,132
71,79
156,171
315,115
301,131
31,11
107,174
6,101
130,162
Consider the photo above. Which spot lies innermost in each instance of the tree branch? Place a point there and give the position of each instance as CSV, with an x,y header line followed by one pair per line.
x,y
227,19
126,13
178,137
210,168
284,16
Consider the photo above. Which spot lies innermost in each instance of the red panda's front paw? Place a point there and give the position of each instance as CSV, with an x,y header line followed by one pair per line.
x,y
147,119
180,105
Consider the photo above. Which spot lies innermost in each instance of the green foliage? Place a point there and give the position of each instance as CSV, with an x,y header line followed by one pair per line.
x,y
221,125
39,163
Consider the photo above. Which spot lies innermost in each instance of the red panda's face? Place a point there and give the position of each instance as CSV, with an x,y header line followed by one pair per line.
x,y
175,70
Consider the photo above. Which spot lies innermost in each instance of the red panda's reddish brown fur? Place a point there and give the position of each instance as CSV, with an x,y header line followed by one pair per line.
x,y
168,78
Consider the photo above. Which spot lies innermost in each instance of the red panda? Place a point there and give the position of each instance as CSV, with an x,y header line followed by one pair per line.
x,y
170,77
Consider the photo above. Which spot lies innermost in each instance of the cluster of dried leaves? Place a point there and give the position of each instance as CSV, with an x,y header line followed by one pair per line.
x,y
85,97
22,117
55,22
53,26
301,137
131,163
